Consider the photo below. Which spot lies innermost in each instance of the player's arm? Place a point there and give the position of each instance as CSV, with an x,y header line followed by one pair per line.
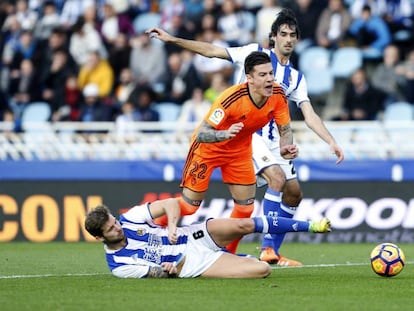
x,y
287,149
165,270
199,47
315,123
208,134
171,208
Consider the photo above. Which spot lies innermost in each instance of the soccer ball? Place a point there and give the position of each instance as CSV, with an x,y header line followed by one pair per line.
x,y
387,259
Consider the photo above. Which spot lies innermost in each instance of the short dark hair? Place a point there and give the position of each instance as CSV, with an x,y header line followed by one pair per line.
x,y
95,220
285,16
255,58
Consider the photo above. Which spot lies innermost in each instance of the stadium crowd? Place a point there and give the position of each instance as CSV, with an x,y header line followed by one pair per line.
x,y
91,60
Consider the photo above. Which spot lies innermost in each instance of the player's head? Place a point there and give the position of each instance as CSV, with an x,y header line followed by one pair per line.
x,y
259,74
285,20
254,59
96,219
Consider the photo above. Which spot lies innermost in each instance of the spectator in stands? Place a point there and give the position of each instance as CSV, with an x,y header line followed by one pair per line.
x,y
153,69
193,110
264,20
48,21
307,13
362,101
180,28
143,99
98,71
170,10
119,55
73,98
181,78
71,11
386,78
26,17
125,87
232,25
54,83
217,85
113,24
371,34
333,25
208,66
57,40
93,109
125,122
406,69
24,87
84,39
26,48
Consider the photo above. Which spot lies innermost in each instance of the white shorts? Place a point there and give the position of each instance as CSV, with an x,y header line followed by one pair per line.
x,y
201,252
265,155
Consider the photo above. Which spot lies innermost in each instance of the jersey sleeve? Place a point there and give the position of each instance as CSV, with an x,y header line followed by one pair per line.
x,y
237,57
138,214
281,114
131,271
300,94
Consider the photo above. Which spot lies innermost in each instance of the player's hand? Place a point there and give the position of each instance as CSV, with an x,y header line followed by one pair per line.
x,y
172,234
234,129
289,152
169,267
338,152
159,34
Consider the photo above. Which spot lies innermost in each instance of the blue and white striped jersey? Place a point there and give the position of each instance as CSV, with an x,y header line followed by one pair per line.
x,y
147,245
291,80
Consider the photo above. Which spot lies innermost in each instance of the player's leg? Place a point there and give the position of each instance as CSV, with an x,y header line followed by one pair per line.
x,y
238,174
243,197
195,180
233,266
275,179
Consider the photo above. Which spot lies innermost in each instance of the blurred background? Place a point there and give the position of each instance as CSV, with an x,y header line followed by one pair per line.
x,y
92,110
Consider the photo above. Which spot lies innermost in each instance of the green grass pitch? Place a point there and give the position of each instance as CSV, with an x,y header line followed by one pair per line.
x,y
74,276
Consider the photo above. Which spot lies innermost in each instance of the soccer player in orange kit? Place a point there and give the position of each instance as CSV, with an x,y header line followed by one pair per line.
x,y
224,139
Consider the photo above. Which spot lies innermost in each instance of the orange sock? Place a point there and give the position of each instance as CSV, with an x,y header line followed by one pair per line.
x,y
185,207
239,211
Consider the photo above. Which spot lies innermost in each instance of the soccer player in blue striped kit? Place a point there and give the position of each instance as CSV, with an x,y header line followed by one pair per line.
x,y
283,194
137,248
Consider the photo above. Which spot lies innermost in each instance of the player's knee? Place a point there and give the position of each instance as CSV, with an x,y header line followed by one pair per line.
x,y
275,177
188,206
244,208
263,269
292,198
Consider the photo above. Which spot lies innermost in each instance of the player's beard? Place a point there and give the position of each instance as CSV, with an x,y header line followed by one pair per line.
x,y
114,241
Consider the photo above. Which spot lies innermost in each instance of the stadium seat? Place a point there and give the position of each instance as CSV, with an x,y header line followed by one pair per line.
x,y
169,112
399,111
314,58
145,21
319,82
345,61
35,116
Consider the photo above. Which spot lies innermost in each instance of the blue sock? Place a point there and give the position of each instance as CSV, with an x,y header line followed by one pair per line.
x,y
271,206
287,212
266,224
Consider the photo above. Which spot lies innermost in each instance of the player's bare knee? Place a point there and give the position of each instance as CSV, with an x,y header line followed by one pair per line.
x,y
292,198
263,269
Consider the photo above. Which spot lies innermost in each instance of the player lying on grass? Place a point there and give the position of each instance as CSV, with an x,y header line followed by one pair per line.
x,y
137,248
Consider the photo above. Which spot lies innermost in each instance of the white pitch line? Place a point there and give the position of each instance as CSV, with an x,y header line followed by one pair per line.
x,y
330,265
31,276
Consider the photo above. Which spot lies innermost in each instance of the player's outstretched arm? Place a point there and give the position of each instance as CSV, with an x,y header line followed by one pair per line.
x,y
171,208
315,123
199,47
208,134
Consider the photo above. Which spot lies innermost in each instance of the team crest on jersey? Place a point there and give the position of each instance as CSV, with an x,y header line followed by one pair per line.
x,y
265,159
217,116
141,232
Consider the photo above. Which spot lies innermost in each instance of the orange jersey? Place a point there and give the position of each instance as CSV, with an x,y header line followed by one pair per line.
x,y
235,105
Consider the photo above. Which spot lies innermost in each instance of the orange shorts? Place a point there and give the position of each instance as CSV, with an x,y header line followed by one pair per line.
x,y
236,170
